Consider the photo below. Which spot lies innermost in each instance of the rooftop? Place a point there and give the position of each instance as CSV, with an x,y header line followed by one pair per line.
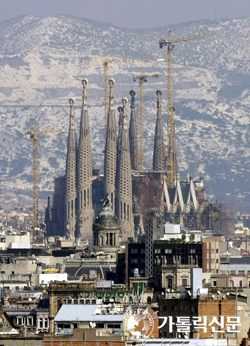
x,y
88,313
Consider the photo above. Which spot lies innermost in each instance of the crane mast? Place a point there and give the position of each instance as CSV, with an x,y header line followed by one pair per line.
x,y
106,92
33,135
106,63
172,165
142,79
35,176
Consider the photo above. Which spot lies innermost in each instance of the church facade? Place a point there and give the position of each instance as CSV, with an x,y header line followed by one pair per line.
x,y
78,195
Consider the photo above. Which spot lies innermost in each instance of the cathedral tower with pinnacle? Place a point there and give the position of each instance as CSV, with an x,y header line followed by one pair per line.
x,y
159,149
123,191
133,135
84,173
70,177
110,152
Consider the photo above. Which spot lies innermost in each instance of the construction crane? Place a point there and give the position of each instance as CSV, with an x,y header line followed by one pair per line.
x,y
142,79
172,168
106,63
33,135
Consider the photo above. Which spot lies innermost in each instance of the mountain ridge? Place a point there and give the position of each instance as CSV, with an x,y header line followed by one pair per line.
x,y
40,69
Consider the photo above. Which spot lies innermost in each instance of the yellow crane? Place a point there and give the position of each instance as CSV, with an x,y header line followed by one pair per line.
x,y
142,79
33,135
106,63
172,168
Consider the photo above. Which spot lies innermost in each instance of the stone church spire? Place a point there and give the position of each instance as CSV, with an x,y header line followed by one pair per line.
x,y
133,135
159,149
70,177
124,181
84,173
120,124
110,149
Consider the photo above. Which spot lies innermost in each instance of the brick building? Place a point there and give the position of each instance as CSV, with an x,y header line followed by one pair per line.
x,y
212,306
211,251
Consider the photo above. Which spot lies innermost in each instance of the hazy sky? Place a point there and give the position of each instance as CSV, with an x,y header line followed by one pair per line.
x,y
129,13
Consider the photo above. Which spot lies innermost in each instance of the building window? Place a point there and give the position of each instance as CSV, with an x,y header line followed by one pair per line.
x,y
168,250
169,283
184,282
214,283
134,260
217,251
212,250
19,320
192,251
29,321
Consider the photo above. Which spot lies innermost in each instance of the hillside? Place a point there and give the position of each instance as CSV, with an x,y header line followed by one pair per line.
x,y
40,69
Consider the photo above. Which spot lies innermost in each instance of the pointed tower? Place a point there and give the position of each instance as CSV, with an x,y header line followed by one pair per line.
x,y
70,177
110,151
48,218
84,173
120,124
123,195
133,135
159,149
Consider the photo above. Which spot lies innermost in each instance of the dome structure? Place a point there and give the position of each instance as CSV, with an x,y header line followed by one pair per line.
x,y
106,227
